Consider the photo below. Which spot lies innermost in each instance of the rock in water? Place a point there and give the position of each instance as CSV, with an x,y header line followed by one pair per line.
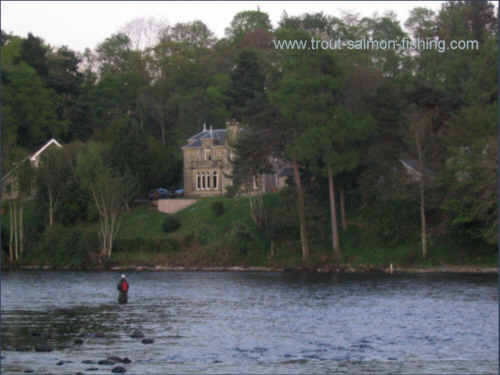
x,y
119,369
78,341
99,335
44,348
115,359
21,348
148,341
88,362
106,362
60,363
137,335
126,360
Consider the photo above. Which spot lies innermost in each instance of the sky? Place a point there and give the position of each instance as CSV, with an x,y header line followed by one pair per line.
x,y
82,24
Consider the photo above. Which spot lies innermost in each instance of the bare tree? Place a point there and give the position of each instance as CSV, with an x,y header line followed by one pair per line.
x,y
143,32
418,125
109,192
23,185
50,175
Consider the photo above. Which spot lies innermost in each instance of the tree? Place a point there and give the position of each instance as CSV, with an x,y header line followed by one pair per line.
x,y
109,191
418,125
33,53
332,147
247,80
31,108
143,33
65,78
193,34
23,175
310,82
50,176
247,21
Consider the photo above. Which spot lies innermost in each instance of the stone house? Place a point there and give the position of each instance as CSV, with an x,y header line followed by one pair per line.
x,y
207,164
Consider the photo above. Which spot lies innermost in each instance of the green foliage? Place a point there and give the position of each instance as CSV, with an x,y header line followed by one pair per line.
x,y
30,106
247,80
149,245
390,222
170,224
247,21
241,237
60,246
218,209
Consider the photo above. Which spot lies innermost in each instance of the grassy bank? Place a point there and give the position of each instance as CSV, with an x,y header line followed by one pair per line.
x,y
231,239
226,236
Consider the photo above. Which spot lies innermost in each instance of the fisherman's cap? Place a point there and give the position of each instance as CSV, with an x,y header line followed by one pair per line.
x,y
123,276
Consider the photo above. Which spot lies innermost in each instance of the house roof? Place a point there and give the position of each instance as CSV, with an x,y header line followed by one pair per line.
x,y
286,171
412,165
218,134
33,157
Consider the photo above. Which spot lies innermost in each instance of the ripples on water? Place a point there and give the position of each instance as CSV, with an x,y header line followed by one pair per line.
x,y
225,322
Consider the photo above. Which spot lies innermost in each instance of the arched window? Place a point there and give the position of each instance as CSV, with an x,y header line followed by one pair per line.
x,y
198,182
202,180
208,180
214,176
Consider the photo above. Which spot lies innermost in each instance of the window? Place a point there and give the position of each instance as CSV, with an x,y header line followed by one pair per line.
x,y
208,180
256,182
198,181
214,175
202,180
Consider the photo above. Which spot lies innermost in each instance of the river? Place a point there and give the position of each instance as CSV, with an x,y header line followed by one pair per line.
x,y
251,322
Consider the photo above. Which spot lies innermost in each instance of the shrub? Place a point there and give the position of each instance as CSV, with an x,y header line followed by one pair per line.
x,y
218,208
170,224
148,245
390,222
60,246
240,237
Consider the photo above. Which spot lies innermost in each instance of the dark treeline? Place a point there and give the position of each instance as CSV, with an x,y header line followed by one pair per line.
x,y
348,120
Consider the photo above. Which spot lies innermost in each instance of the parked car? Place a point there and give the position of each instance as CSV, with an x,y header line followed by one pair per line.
x,y
178,193
160,193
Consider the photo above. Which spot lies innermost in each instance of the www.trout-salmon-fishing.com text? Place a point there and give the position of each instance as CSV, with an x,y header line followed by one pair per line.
x,y
363,44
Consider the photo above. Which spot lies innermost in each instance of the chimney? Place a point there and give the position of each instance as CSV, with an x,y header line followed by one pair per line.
x,y
232,127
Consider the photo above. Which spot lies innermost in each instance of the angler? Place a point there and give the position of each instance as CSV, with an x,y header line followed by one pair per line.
x,y
123,288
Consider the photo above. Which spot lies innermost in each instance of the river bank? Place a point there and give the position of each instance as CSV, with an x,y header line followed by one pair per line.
x,y
419,270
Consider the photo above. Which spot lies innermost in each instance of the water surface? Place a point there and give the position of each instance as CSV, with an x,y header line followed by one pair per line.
x,y
252,322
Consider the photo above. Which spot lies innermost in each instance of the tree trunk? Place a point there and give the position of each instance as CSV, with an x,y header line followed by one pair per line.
x,y
162,122
16,238
51,210
302,212
11,234
422,215
21,237
342,209
422,194
333,213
